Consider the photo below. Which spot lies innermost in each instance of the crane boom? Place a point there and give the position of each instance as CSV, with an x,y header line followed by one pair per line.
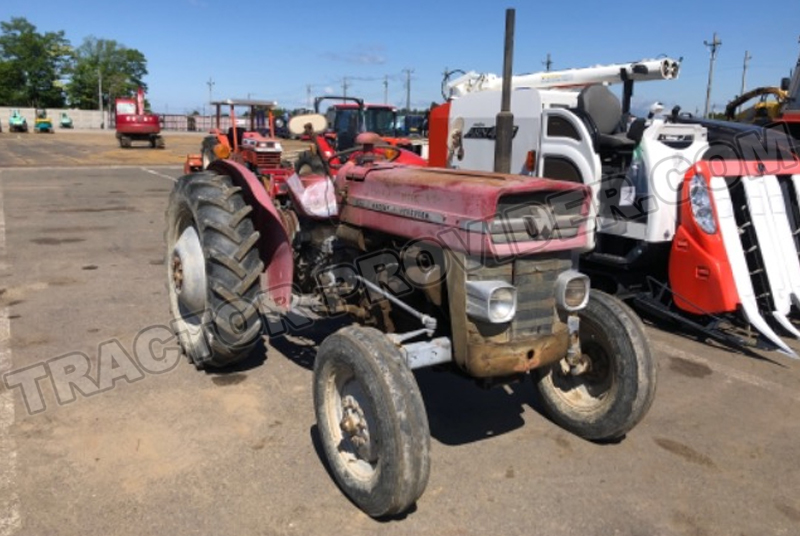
x,y
654,69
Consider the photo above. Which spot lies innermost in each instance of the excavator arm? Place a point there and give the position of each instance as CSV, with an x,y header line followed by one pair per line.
x,y
730,108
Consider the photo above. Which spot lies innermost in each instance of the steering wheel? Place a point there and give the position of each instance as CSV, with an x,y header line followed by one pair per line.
x,y
390,149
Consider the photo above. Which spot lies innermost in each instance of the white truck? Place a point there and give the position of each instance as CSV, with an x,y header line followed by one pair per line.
x,y
696,220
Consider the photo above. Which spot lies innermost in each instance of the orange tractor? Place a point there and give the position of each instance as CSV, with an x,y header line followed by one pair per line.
x,y
249,140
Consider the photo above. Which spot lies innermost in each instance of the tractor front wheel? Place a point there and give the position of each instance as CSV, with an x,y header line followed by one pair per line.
x,y
615,392
371,421
213,269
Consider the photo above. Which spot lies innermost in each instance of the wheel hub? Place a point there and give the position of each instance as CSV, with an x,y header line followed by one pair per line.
x,y
354,427
177,273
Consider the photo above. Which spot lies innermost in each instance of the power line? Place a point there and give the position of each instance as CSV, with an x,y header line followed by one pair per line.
x,y
713,46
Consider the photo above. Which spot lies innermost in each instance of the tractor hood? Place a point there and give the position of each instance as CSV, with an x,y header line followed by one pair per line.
x,y
473,212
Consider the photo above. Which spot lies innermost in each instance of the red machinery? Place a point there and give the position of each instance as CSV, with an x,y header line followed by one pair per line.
x,y
249,140
472,271
133,123
353,116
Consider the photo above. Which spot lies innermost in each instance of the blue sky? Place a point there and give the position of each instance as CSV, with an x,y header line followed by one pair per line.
x,y
275,50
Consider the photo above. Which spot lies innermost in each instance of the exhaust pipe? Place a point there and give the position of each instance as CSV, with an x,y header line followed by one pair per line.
x,y
504,125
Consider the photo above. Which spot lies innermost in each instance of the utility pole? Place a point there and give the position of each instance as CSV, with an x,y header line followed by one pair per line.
x,y
713,46
386,89
210,85
345,85
547,63
747,58
408,88
100,95
308,95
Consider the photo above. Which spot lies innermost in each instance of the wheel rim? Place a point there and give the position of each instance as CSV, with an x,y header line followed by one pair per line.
x,y
188,273
593,388
351,422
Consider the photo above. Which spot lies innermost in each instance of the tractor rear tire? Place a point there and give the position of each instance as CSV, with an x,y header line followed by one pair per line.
x,y
214,270
371,421
609,399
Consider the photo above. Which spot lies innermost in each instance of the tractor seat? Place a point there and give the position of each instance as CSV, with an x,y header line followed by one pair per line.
x,y
605,110
238,132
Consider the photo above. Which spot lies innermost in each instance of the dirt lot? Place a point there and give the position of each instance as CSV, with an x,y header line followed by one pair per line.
x,y
176,451
94,148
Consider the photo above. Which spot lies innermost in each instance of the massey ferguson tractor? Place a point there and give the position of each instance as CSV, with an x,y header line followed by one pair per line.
x,y
133,123
697,221
471,271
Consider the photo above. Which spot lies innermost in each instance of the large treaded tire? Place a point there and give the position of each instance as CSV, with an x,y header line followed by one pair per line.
x,y
215,304
359,369
615,394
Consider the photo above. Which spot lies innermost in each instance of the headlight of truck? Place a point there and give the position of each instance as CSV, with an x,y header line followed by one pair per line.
x,y
491,301
702,210
572,290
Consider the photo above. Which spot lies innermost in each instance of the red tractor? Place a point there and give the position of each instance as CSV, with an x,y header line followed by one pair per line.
x,y
352,116
133,123
329,151
470,271
249,141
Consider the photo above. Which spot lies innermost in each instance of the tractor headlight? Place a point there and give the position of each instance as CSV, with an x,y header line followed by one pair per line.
x,y
491,301
702,210
572,290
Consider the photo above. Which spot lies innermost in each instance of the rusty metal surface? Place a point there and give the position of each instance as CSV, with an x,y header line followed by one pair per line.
x,y
487,359
451,206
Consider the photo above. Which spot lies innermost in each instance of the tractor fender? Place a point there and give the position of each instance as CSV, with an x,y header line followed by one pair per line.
x,y
274,245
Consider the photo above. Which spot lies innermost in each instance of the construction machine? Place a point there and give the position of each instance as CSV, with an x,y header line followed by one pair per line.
x,y
66,120
17,122
697,221
43,123
776,107
134,123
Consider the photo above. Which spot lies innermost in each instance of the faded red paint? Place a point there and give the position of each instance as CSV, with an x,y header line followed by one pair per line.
x,y
455,197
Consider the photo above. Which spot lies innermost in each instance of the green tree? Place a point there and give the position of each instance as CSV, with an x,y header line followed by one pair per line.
x,y
31,64
120,71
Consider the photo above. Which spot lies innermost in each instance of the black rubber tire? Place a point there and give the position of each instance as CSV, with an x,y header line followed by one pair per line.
x,y
229,325
309,164
395,415
615,394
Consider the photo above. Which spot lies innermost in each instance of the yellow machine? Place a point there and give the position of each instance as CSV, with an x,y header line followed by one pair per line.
x,y
769,106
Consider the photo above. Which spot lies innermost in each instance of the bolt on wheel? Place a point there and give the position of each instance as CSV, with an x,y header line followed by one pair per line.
x,y
371,421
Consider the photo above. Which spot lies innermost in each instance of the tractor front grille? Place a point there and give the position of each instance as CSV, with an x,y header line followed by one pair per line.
x,y
268,160
534,278
538,216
